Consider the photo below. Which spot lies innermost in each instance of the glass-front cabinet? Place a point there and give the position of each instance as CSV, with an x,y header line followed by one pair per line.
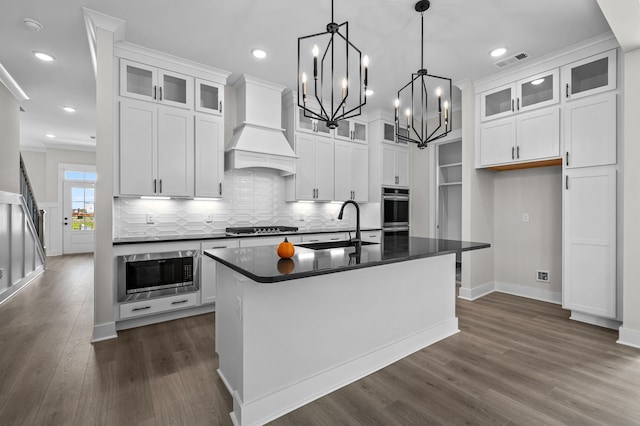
x,y
589,76
351,130
152,84
209,97
308,124
498,102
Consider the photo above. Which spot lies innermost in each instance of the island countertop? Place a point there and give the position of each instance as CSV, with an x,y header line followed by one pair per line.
x,y
262,264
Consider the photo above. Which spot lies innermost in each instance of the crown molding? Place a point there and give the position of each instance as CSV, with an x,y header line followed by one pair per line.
x,y
12,85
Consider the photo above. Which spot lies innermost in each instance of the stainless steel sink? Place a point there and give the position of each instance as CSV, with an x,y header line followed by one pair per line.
x,y
331,244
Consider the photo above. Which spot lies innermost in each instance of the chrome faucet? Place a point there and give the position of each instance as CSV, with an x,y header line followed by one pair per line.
x,y
357,239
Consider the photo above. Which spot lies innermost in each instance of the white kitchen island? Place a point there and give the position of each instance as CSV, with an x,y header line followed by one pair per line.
x,y
331,317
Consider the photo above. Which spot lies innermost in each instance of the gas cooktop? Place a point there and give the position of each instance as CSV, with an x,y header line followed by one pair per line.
x,y
260,230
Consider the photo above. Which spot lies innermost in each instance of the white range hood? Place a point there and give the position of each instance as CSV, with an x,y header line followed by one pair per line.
x,y
258,140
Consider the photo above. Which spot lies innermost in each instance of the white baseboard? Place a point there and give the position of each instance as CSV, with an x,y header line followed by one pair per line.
x,y
104,332
23,283
529,292
261,411
167,316
629,337
476,292
594,320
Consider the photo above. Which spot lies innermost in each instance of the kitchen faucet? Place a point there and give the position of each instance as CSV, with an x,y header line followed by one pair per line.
x,y
357,240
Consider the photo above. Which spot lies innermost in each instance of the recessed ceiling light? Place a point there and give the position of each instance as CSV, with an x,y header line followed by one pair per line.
x,y
69,109
538,81
259,53
32,24
45,57
498,52
369,92
50,135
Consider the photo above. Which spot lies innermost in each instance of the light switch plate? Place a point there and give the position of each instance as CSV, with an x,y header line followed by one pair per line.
x,y
151,218
525,217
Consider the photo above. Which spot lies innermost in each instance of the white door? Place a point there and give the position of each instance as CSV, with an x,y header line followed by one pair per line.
x,y
79,224
209,156
324,173
538,135
360,172
343,171
497,142
175,152
305,181
402,166
389,176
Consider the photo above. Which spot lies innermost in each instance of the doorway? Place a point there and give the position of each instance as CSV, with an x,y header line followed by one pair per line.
x,y
78,212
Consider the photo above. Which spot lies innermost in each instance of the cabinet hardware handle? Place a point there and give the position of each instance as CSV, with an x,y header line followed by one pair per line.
x,y
141,309
518,152
334,239
518,104
220,107
566,182
220,188
512,155
177,302
567,160
567,91
313,241
217,247
512,107
154,92
160,92
161,186
155,186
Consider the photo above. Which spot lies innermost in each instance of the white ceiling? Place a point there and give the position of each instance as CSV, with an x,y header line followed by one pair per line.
x,y
458,37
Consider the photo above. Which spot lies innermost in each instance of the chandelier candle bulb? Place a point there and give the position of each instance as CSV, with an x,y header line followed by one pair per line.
x,y
439,95
408,113
344,89
365,64
315,52
446,111
304,87
396,103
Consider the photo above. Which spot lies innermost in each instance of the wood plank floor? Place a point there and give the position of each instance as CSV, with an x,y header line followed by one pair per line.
x,y
516,361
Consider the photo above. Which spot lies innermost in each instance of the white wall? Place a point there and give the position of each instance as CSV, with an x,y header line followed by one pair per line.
x,y
9,142
522,248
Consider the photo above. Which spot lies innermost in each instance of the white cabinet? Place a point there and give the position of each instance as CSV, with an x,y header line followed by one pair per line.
x,y
537,91
156,150
209,156
148,83
268,241
590,76
304,122
317,238
351,130
590,131
395,165
526,137
351,171
589,241
209,96
372,236
208,269
155,306
314,178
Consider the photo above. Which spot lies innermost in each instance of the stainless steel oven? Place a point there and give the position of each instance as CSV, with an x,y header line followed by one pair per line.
x,y
157,274
395,207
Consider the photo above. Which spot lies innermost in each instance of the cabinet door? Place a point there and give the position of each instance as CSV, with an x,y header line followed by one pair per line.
x,y
388,132
590,76
308,124
138,81
209,97
175,152
359,131
497,141
590,131
589,275
538,91
209,156
402,166
208,270
343,131
389,176
175,89
305,173
360,173
343,171
138,136
499,102
538,135
324,171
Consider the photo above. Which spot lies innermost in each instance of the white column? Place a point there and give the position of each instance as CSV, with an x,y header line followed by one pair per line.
x,y
9,141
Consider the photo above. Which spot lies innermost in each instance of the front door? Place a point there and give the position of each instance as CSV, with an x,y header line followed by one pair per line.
x,y
78,224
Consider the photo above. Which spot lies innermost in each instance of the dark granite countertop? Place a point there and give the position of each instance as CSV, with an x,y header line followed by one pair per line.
x,y
263,265
173,238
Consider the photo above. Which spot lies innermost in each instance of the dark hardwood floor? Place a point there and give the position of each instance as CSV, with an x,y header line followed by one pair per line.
x,y
516,361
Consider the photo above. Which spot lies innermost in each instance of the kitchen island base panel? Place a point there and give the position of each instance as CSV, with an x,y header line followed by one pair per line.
x,y
285,344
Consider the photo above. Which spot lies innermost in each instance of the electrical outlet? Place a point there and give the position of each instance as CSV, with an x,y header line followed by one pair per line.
x,y
151,218
525,217
542,276
209,218
1,272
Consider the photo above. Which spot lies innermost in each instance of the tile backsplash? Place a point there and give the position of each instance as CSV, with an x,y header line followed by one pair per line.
x,y
250,198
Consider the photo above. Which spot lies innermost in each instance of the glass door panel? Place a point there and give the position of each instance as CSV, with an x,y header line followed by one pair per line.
x,y
208,97
590,76
538,91
498,103
344,129
359,132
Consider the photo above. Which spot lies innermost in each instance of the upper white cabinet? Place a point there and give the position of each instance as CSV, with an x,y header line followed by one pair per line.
x,y
589,76
209,156
589,247
395,166
351,172
590,131
209,96
154,84
351,130
156,150
536,91
314,178
307,124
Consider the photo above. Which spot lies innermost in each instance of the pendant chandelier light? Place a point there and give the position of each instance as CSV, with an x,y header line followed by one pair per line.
x,y
428,117
335,93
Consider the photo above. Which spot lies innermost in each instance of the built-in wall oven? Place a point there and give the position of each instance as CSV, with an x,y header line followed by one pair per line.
x,y
157,274
395,217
